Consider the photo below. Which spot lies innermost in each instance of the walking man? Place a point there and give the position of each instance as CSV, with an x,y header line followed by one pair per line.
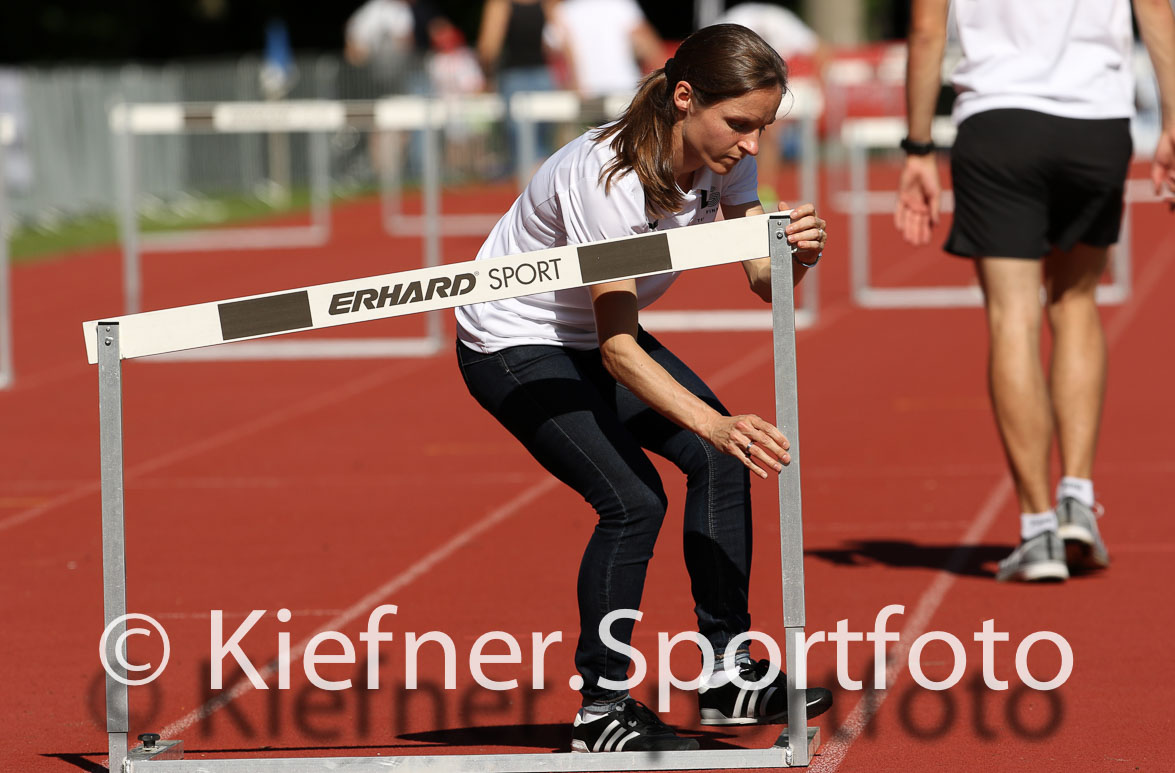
x,y
1045,96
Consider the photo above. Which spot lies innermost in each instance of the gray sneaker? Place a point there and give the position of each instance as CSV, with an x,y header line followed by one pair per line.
x,y
1040,558
1084,548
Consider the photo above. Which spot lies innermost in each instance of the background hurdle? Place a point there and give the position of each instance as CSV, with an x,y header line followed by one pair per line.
x,y
7,136
432,116
208,324
310,116
429,116
864,134
127,121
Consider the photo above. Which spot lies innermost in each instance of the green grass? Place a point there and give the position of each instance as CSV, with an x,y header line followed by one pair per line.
x,y
51,239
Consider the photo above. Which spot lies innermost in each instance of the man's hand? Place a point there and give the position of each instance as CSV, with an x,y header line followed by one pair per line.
x,y
918,199
1163,169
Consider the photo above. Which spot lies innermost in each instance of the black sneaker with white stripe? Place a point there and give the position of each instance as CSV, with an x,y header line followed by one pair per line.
x,y
729,704
629,727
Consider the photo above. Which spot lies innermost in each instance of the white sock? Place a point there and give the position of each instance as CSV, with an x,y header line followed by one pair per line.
x,y
1032,524
722,673
1080,489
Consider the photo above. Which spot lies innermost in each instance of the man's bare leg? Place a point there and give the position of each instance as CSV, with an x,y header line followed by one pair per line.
x,y
1019,394
1077,386
1078,372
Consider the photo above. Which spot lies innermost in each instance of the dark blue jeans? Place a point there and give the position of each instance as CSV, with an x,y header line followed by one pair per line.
x,y
592,433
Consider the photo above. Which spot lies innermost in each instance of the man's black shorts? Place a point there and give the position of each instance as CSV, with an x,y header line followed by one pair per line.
x,y
1026,182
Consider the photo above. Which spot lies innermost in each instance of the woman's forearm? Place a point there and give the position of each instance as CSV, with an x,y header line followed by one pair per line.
x,y
633,368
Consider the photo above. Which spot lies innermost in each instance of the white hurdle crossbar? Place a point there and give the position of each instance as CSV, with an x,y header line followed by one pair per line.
x,y
7,137
108,342
314,117
860,135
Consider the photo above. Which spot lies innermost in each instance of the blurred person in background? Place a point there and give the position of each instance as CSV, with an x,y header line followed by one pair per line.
x,y
606,45
278,71
791,38
453,68
1039,165
379,37
391,39
454,73
512,52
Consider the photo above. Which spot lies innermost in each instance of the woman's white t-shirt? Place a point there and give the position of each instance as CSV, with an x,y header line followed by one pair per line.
x,y
565,204
1069,58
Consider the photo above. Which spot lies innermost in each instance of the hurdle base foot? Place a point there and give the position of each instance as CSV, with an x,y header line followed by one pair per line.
x,y
558,762
784,741
162,750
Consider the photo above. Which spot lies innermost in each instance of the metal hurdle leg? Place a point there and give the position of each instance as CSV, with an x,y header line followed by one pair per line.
x,y
528,144
113,541
320,185
6,373
433,139
809,309
1121,279
433,118
128,226
791,527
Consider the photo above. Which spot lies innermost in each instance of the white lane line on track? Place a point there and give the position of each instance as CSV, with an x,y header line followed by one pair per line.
x,y
240,615
833,753
266,421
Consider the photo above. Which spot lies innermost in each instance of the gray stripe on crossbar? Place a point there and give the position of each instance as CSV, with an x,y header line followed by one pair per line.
x,y
624,257
263,316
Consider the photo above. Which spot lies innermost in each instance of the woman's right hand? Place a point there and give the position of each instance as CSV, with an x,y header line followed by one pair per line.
x,y
749,438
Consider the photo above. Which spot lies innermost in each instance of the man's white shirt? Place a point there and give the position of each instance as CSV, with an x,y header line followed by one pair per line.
x,y
1069,58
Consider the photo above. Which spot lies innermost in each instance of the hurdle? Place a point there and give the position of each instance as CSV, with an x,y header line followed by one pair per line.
x,y
864,134
531,108
314,117
430,116
7,137
110,341
128,121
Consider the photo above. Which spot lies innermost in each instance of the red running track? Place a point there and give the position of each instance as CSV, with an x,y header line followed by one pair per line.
x,y
329,488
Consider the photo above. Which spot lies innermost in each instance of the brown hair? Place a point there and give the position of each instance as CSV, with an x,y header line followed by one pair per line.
x,y
719,62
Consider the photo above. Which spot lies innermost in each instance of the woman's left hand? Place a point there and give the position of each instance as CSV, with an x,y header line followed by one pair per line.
x,y
806,232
